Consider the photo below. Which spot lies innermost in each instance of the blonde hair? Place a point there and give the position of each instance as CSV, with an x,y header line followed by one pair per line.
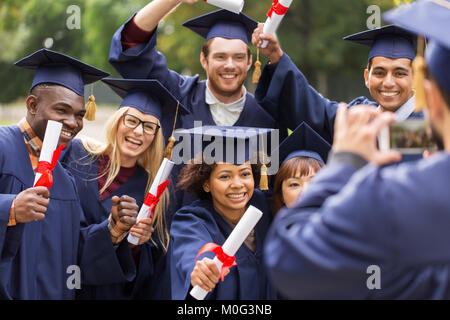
x,y
149,160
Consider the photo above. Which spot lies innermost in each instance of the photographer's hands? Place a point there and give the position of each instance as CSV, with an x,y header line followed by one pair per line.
x,y
356,130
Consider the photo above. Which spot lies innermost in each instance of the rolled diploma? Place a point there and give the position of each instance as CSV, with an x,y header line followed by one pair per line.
x,y
51,138
235,6
161,176
272,23
233,243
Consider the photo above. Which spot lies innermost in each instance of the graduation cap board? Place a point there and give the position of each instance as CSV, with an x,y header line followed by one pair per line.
x,y
224,24
390,42
304,142
54,67
57,68
234,145
147,96
430,19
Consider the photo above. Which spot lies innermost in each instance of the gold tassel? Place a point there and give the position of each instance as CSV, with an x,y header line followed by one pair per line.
x,y
169,148
257,72
420,66
91,107
264,181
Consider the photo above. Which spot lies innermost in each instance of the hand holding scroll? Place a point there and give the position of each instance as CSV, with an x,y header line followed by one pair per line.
x,y
31,204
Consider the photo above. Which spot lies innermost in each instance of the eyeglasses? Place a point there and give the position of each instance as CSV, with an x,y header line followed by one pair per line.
x,y
133,122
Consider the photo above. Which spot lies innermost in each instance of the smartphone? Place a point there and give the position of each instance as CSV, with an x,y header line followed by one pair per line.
x,y
409,137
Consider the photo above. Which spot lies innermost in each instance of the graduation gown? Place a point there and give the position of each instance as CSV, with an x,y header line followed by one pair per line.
x,y
285,93
37,257
197,224
151,257
395,218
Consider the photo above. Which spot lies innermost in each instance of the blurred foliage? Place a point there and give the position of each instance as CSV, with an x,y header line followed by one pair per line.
x,y
311,34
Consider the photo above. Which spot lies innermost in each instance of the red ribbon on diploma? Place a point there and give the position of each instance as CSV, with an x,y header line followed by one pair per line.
x,y
151,201
227,261
45,168
278,8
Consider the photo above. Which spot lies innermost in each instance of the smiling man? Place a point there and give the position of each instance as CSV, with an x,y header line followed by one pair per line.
x,y
388,76
226,58
41,233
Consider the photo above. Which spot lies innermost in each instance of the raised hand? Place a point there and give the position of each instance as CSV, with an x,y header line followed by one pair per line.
x,y
272,50
356,130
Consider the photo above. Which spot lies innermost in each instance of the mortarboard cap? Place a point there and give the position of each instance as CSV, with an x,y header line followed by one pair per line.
x,y
304,142
431,19
224,24
235,145
148,96
57,68
390,42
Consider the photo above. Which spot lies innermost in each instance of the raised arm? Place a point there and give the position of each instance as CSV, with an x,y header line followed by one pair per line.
x,y
286,94
133,50
149,16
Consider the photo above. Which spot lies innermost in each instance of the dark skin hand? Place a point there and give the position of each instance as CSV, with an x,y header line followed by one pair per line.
x,y
124,211
31,204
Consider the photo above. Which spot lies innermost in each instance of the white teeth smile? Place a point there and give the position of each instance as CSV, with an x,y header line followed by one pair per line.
x,y
66,133
236,195
389,94
131,140
228,76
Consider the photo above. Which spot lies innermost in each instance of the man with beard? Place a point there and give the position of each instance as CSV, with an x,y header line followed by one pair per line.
x,y
222,98
375,233
43,233
226,58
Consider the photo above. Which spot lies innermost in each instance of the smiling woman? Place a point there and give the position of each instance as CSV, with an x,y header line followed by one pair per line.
x,y
225,190
126,165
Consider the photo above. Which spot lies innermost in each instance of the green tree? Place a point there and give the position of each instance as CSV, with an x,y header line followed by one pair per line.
x,y
311,34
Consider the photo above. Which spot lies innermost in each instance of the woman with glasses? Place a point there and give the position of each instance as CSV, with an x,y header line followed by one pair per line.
x,y
125,166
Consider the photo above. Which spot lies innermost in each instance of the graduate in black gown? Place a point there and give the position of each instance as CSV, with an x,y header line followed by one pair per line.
x,y
286,94
225,188
47,249
126,164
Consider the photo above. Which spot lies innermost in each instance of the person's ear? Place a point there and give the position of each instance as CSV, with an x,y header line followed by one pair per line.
x,y
250,62
32,104
206,187
203,61
366,77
